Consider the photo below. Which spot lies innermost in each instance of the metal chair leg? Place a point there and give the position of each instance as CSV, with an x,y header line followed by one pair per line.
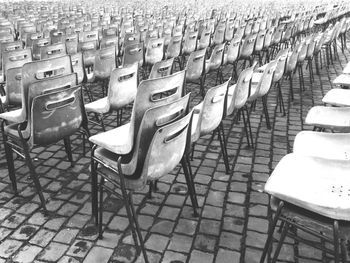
x,y
9,160
100,216
190,186
280,242
336,241
68,148
223,147
245,127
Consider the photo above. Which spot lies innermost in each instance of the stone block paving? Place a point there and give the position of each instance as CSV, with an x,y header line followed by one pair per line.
x,y
232,225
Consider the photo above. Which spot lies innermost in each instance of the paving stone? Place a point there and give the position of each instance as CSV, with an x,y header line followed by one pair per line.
x,y
157,242
55,223
210,227
180,243
186,226
25,232
98,254
53,252
227,256
230,240
110,239
42,237
212,212
124,253
27,254
67,259
164,227
169,212
205,243
199,256
79,248
9,247
13,221
171,257
66,235
119,223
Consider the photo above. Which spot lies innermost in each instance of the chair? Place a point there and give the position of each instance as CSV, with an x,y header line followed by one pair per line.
x,y
163,131
162,68
51,116
214,63
189,45
261,83
313,190
174,49
37,44
154,51
207,118
231,57
133,54
247,48
195,68
337,97
204,40
302,51
237,96
53,50
121,92
219,35
259,44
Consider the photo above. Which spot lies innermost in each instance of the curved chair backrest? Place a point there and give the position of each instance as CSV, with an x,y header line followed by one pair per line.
x,y
281,58
42,70
131,38
204,40
56,115
154,51
302,52
87,36
277,35
241,91
195,65
31,37
240,31
37,44
57,36
78,66
10,46
219,35
155,118
268,37
319,42
105,62
266,79
229,31
155,92
212,110
122,87
109,32
216,57
162,68
310,47
292,60
233,50
190,43
16,58
248,28
260,39
71,42
174,47
133,53
53,50
248,46
110,41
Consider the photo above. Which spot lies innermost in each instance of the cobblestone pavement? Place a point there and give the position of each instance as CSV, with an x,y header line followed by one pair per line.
x,y
232,224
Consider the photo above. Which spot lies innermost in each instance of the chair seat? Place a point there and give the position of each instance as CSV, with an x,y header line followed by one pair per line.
x,y
343,79
12,130
322,144
256,77
100,106
334,118
111,159
346,70
316,184
13,116
337,97
118,140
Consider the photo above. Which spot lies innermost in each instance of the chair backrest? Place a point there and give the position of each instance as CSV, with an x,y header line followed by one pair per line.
x,y
292,60
190,43
15,58
163,132
174,47
57,36
260,39
229,31
105,62
132,54
131,38
13,86
248,46
162,68
211,111
56,115
53,50
78,66
233,50
87,36
204,40
30,37
155,92
219,35
216,57
265,82
37,44
268,38
195,65
241,90
71,43
110,41
122,87
302,51
42,70
154,51
281,58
